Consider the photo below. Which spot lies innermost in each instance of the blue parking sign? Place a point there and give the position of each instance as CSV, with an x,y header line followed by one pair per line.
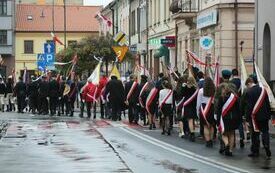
x,y
41,63
50,59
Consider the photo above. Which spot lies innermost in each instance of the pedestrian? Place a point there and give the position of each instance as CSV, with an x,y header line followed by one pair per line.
x,y
3,94
61,99
89,96
258,114
143,93
179,100
9,98
43,93
72,96
116,93
20,91
131,99
190,92
100,94
205,109
228,118
32,93
165,106
81,85
53,94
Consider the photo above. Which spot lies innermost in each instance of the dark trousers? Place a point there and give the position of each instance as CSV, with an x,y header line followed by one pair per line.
x,y
44,106
89,107
255,139
241,131
102,109
34,104
82,106
133,113
53,104
116,110
61,105
21,104
142,112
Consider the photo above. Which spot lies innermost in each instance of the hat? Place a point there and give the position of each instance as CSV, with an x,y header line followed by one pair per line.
x,y
226,74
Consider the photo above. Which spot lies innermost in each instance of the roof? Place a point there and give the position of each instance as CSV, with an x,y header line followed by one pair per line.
x,y
79,18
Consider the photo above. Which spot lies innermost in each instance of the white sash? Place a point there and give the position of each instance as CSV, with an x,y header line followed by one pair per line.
x,y
141,92
205,111
150,98
169,94
133,87
256,108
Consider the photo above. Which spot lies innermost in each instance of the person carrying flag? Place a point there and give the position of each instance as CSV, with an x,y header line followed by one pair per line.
x,y
258,114
131,100
228,118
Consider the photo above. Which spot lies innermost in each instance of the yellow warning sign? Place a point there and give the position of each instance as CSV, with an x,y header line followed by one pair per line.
x,y
120,52
121,38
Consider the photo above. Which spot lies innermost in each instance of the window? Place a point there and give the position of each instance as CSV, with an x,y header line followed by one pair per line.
x,y
72,42
3,7
3,37
28,46
133,23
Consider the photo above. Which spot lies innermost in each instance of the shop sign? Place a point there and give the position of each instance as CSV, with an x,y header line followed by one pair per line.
x,y
154,41
206,42
207,19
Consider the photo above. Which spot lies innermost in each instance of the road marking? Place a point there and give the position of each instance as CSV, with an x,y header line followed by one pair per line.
x,y
185,153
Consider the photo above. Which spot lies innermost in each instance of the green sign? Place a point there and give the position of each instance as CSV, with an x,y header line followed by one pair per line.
x,y
154,41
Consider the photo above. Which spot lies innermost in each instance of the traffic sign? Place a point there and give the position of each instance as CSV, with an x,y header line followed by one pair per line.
x,y
50,58
49,48
206,42
41,63
121,38
120,52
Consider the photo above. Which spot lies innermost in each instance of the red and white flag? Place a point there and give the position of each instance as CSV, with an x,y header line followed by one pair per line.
x,y
107,21
25,75
56,39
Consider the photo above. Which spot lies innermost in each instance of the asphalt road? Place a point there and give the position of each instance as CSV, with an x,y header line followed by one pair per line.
x,y
64,144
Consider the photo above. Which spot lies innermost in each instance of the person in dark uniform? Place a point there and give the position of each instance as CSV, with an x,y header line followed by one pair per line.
x,y
189,105
116,90
53,94
72,97
20,91
3,93
131,99
43,93
143,93
205,109
61,101
81,87
32,92
9,99
258,114
228,118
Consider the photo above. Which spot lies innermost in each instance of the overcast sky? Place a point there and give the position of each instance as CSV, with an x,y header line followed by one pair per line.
x,y
96,2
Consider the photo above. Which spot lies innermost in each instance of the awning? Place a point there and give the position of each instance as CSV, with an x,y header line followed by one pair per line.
x,y
162,51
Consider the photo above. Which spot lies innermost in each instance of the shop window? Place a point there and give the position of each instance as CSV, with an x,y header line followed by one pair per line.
x,y
28,46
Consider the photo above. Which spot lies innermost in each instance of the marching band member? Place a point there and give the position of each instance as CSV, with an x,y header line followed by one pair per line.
x,y
258,115
190,93
228,118
165,106
205,109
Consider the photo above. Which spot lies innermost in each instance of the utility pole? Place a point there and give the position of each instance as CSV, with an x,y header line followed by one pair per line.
x,y
65,23
53,15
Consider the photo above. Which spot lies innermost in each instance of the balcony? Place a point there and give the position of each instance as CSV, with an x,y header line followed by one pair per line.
x,y
185,9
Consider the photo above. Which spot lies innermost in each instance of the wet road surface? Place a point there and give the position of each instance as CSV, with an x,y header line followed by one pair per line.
x,y
40,144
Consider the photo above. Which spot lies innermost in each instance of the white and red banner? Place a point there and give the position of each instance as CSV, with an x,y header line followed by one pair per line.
x,y
133,87
205,111
227,107
56,39
105,20
189,100
141,92
256,108
169,94
152,95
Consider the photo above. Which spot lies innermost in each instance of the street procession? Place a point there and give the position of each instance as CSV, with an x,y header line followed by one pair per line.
x,y
89,92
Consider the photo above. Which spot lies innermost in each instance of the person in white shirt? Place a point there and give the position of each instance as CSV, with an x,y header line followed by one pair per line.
x,y
165,106
205,109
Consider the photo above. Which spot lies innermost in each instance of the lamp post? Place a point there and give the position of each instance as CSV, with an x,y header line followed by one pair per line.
x,y
65,23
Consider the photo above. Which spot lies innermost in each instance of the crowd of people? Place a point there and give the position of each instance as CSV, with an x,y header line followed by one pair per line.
x,y
189,100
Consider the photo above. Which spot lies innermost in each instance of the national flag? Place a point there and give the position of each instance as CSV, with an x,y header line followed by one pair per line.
x,y
217,74
13,76
25,75
56,39
106,21
244,75
95,76
115,72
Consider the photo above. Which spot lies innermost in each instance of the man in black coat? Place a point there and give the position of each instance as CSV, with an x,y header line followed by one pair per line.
x,y
53,94
116,90
258,119
20,91
131,99
43,93
61,96
32,92
3,93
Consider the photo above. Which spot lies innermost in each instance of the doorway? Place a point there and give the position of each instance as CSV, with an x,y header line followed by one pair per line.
x,y
266,52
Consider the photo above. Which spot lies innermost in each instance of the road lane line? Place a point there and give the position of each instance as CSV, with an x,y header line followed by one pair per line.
x,y
185,153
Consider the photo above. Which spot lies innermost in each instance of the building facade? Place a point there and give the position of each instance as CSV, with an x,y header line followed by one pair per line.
x,y
265,38
50,2
34,24
7,15
227,22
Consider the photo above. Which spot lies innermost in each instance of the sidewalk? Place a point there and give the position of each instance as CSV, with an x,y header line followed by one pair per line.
x,y
3,128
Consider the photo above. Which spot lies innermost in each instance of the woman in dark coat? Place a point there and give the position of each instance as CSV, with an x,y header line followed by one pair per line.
x,y
189,113
228,118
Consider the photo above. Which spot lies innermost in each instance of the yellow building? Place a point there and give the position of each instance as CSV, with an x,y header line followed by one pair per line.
x,y
34,24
